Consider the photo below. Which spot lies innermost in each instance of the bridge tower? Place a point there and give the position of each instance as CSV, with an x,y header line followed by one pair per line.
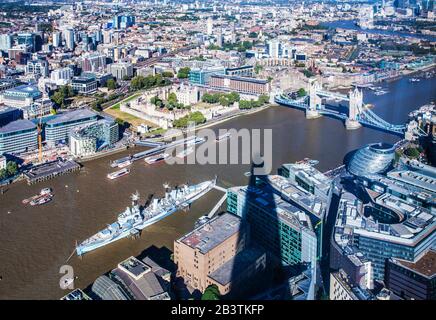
x,y
315,101
355,108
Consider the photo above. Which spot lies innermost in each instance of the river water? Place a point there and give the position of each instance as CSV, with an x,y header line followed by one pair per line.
x,y
37,241
351,25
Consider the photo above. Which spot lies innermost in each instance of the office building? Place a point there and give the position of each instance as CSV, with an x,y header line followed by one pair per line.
x,y
85,84
242,85
28,40
121,70
6,84
37,67
413,280
315,207
6,42
57,39
93,62
20,96
18,136
61,76
89,139
305,175
274,49
204,250
9,114
341,288
58,130
209,26
20,54
69,38
386,227
282,229
40,107
244,71
140,280
373,159
202,76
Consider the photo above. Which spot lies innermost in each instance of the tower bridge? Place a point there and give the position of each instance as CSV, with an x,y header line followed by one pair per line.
x,y
358,114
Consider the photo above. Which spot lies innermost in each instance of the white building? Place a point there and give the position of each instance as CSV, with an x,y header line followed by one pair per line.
x,y
61,76
209,26
37,67
121,70
2,162
56,39
69,39
342,289
188,95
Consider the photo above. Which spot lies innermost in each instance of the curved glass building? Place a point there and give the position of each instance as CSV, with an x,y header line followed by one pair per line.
x,y
373,159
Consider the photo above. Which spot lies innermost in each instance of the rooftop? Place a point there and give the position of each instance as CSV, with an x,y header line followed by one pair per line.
x,y
25,90
211,234
236,266
290,192
275,205
17,125
72,116
261,81
426,265
416,222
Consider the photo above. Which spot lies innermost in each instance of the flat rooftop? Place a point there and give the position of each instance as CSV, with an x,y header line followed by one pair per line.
x,y
275,205
425,266
50,169
211,234
27,90
236,78
314,204
235,267
72,116
17,125
134,267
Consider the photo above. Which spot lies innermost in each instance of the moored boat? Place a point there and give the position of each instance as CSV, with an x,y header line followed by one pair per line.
x,y
157,158
136,218
125,164
118,174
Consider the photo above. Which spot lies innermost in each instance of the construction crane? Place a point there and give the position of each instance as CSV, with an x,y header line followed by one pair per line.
x,y
41,113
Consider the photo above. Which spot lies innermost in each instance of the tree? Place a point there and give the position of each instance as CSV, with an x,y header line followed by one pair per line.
x,y
252,35
183,73
172,99
263,99
224,101
233,97
3,174
137,83
301,92
167,74
412,152
211,293
111,84
11,168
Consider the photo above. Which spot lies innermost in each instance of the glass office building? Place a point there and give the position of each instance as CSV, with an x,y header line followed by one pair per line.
x,y
18,136
280,228
58,130
373,159
93,137
202,76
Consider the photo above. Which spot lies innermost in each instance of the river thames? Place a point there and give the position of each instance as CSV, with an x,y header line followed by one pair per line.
x,y
37,241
